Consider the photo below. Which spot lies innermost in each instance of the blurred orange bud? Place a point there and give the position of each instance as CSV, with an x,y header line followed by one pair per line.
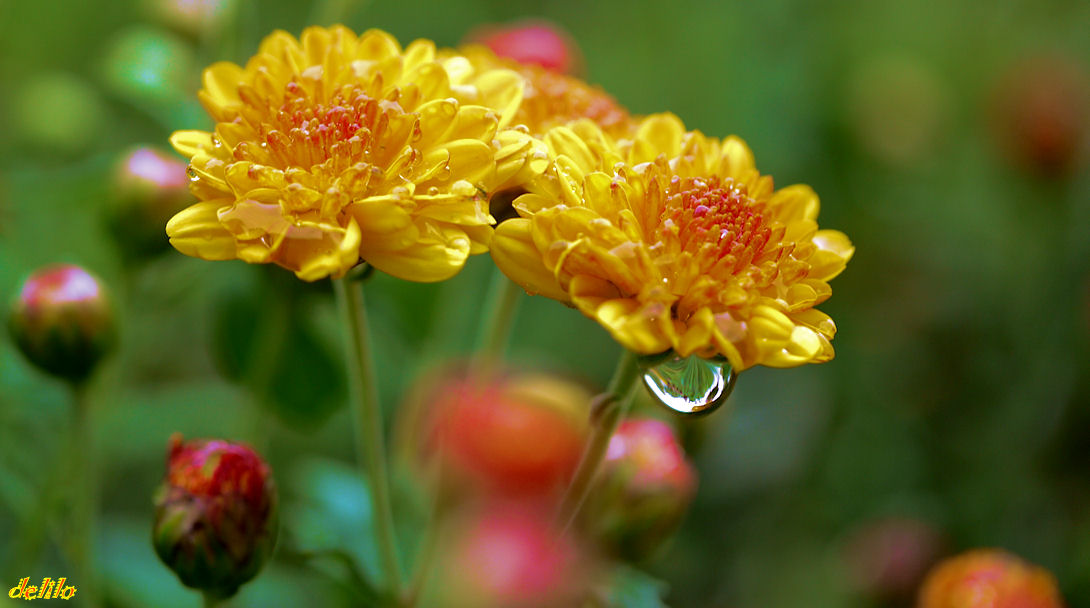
x,y
1042,113
988,578
512,433
63,321
532,41
888,557
643,491
507,555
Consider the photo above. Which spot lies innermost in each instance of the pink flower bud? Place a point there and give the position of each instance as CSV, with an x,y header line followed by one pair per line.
x,y
535,42
887,558
215,515
63,321
191,17
149,187
511,555
643,491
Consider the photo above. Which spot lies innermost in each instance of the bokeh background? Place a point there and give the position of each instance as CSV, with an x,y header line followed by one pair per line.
x,y
949,141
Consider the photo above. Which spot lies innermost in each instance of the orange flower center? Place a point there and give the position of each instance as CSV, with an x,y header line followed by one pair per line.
x,y
717,222
555,99
347,128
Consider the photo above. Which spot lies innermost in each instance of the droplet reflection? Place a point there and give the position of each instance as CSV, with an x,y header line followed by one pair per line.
x,y
689,385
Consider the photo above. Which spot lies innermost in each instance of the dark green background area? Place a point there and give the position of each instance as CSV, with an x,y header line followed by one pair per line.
x,y
959,396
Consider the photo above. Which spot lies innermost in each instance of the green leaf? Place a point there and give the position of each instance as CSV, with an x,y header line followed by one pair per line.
x,y
263,339
329,510
633,588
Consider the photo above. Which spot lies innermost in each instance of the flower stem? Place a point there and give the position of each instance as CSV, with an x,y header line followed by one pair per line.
x,y
210,601
367,413
81,461
501,303
610,408
425,558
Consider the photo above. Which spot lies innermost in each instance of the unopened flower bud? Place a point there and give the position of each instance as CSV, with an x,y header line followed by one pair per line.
x,y
1041,114
190,17
149,187
989,578
535,41
215,515
509,555
63,321
518,433
887,558
643,490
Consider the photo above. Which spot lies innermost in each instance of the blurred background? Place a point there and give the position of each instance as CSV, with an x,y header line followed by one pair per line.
x,y
950,144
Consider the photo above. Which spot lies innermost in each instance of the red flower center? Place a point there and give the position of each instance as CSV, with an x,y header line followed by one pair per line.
x,y
717,222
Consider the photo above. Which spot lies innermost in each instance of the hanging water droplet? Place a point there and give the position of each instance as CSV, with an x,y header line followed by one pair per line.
x,y
191,173
689,385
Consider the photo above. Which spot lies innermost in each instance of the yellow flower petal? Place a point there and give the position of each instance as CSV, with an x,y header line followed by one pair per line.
x,y
673,240
197,231
426,260
191,143
514,253
658,134
221,82
335,149
834,251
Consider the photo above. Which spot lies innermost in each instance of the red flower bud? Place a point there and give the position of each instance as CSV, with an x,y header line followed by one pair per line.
x,y
518,433
149,187
215,515
535,42
643,491
510,555
989,578
63,322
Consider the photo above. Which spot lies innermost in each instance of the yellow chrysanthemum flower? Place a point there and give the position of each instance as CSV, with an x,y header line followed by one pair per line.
x,y
674,241
550,98
335,148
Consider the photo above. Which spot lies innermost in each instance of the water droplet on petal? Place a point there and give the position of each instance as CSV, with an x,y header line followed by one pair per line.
x,y
689,385
192,173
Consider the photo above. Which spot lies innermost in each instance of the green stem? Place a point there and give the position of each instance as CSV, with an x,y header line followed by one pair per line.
x,y
501,303
81,460
367,413
614,405
209,600
425,559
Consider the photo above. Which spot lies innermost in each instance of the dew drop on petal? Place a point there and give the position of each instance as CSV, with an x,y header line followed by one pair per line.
x,y
191,173
689,385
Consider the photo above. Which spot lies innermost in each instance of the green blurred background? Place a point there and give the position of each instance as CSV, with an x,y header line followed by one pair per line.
x,y
948,141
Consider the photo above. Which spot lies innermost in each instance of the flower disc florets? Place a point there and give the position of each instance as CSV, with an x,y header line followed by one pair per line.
x,y
334,149
672,240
